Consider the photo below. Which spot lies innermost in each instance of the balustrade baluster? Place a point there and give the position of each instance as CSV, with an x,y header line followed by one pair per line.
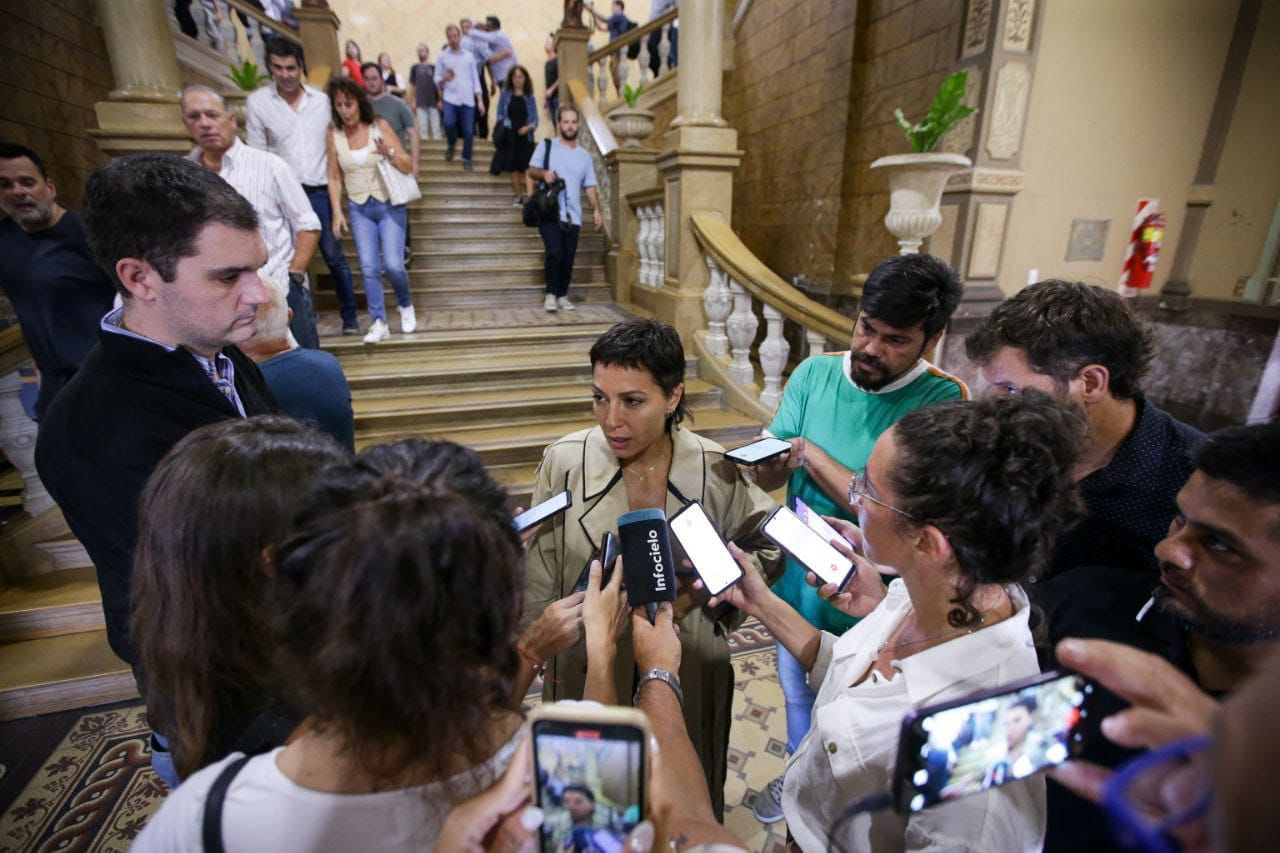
x,y
642,245
773,357
623,69
591,82
742,332
602,75
18,440
717,302
817,342
659,246
642,61
664,49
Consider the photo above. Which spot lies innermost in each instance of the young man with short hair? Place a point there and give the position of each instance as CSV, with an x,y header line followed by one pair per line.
x,y
426,95
565,161
46,271
833,408
459,84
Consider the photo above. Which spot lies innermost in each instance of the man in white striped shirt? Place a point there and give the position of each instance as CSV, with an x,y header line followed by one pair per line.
x,y
287,223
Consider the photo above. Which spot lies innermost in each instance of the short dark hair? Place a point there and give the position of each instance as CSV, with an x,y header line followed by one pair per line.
x,y
365,66
153,207
911,290
353,90
994,475
580,789
1027,703
492,21
12,151
1063,325
276,46
1247,457
566,108
620,4
643,344
403,581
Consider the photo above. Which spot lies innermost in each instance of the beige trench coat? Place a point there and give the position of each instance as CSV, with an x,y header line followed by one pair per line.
x,y
583,463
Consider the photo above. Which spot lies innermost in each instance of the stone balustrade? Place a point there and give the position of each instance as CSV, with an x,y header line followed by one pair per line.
x,y
611,67
233,28
650,244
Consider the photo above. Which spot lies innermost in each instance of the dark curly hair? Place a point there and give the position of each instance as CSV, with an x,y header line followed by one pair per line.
x,y
643,344
1247,457
910,290
355,92
404,576
1063,325
995,477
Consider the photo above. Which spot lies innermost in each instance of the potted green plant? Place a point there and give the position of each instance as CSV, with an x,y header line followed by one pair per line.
x,y
630,124
916,180
247,75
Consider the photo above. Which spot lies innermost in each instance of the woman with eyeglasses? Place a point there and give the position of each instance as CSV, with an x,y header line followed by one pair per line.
x,y
962,501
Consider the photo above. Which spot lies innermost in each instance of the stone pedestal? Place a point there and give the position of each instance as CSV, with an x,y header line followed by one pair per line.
x,y
141,112
318,29
630,170
571,59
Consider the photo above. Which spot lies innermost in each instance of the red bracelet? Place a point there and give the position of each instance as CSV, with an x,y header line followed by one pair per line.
x,y
539,667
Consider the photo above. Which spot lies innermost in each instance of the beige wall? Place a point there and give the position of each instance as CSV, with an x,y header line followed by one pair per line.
x,y
1120,103
1248,183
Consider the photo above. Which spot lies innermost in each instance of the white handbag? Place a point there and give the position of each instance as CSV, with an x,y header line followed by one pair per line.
x,y
401,188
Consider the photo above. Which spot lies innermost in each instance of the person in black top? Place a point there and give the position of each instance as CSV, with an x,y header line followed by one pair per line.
x,y
551,78
57,291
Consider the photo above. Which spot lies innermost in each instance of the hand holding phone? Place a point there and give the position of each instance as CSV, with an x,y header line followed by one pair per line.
x,y
706,550
759,451
604,609
540,513
799,540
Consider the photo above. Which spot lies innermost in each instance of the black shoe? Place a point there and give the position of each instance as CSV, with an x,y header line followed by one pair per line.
x,y
448,153
352,328
408,257
466,166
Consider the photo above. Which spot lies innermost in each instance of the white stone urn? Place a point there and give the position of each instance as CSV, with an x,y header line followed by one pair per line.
x,y
631,125
915,190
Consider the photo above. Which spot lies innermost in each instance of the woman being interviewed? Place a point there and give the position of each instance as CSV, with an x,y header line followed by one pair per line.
x,y
963,501
357,142
639,456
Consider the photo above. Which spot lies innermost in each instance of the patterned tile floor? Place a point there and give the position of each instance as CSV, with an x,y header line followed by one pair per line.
x,y
94,789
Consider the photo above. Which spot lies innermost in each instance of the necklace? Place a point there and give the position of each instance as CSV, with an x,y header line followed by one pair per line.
x,y
641,476
958,632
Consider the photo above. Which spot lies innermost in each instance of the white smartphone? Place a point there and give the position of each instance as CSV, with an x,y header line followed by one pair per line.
x,y
758,451
705,549
817,522
543,511
813,552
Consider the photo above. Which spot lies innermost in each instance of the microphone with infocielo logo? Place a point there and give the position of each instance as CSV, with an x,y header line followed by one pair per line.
x,y
647,566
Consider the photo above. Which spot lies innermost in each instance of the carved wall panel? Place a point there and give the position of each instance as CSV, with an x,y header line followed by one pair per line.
x,y
1017,26
988,240
1008,110
977,27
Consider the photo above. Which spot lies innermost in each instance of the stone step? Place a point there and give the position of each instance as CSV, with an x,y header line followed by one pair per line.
x,y
59,673
438,345
493,261
464,242
437,296
464,278
48,605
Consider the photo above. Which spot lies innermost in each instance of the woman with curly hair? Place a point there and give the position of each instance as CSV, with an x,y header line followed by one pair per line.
x,y
402,590
963,502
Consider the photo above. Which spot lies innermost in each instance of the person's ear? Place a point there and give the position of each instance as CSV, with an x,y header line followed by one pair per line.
x,y
139,278
673,401
932,545
1094,383
290,312
930,344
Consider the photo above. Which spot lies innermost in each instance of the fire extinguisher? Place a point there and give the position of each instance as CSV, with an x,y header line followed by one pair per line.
x,y
1144,246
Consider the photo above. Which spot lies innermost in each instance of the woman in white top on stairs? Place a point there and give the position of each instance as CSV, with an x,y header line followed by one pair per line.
x,y
357,142
400,589
962,501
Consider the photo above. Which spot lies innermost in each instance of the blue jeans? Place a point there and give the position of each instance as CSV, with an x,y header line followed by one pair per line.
x,y
799,698
334,258
455,117
162,761
377,222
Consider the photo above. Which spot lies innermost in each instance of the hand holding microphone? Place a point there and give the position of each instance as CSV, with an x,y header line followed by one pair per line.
x,y
647,561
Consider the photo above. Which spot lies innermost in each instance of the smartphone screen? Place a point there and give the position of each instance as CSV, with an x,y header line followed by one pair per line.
x,y
705,549
816,522
543,511
813,551
590,783
607,555
758,451
957,749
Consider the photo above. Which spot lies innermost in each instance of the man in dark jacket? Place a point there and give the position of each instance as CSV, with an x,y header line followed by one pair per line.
x,y
183,250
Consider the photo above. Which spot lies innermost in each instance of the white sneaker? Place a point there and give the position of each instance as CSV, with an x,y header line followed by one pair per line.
x,y
549,303
377,332
768,804
408,322
565,304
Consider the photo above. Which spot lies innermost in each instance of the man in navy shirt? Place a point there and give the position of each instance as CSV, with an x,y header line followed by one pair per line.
x,y
57,291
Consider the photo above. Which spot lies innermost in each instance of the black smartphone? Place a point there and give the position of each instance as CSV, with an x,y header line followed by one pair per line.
x,y
543,511
954,749
607,555
589,775
704,547
813,552
758,451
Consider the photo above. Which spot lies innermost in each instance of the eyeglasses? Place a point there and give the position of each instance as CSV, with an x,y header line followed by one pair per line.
x,y
1154,795
860,487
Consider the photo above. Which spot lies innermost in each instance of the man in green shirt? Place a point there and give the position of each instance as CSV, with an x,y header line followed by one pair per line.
x,y
833,409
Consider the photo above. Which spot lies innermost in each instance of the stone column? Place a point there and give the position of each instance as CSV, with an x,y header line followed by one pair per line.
x,y
318,28
699,155
571,60
631,170
141,113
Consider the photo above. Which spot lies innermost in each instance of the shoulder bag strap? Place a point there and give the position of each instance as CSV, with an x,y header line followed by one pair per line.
x,y
211,824
546,156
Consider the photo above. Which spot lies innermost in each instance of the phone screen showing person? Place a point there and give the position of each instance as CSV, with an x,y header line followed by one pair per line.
x,y
758,451
817,523
960,748
812,551
705,549
590,783
543,511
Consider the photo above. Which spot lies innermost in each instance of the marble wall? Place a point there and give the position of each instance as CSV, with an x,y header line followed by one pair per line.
x,y
53,68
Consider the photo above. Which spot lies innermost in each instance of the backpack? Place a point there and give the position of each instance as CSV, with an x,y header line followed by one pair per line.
x,y
544,204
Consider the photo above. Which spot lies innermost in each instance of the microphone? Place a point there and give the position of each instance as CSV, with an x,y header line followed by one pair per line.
x,y
647,568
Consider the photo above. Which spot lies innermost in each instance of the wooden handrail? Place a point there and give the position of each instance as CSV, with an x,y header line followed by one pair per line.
x,y
13,349
719,241
593,118
632,36
278,27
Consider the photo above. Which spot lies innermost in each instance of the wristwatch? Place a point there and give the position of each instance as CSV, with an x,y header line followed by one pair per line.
x,y
656,674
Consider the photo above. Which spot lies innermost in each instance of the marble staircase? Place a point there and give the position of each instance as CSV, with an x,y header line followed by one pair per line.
x,y
488,368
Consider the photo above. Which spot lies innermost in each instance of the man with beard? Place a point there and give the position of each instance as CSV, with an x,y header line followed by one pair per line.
x,y
1215,612
833,409
57,291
